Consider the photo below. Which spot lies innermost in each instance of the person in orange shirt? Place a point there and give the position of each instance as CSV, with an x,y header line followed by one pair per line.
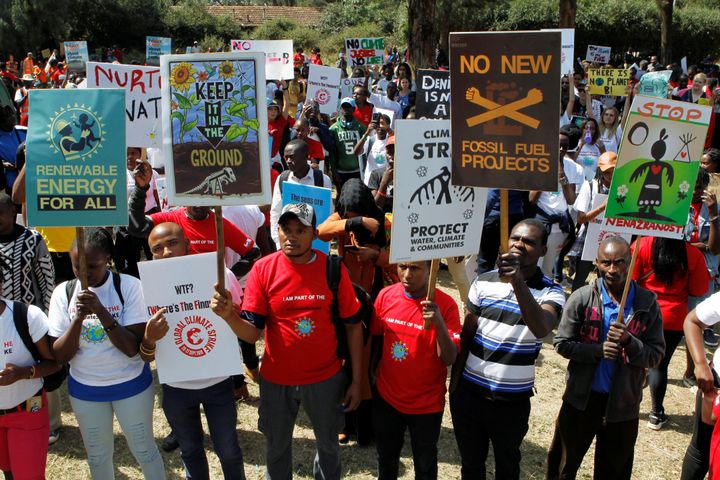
x,y
28,64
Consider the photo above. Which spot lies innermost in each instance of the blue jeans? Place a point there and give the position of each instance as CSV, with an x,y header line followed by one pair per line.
x,y
182,409
135,417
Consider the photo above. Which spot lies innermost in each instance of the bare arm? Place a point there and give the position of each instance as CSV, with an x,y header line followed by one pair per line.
x,y
693,329
222,305
446,349
534,196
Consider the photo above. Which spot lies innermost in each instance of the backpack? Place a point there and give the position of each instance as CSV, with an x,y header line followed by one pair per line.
x,y
317,178
70,287
53,381
333,266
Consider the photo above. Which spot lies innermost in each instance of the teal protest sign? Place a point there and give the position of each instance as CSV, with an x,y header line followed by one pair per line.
x,y
75,171
319,198
156,46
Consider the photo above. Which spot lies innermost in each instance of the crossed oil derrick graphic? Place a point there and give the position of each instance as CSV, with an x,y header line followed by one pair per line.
x,y
510,110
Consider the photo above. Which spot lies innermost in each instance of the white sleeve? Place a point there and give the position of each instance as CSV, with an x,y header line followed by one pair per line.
x,y
233,286
58,314
37,323
582,202
18,95
708,312
275,210
258,217
134,310
327,183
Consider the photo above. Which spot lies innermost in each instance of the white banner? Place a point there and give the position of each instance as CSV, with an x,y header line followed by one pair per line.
x,y
596,232
567,55
323,85
278,56
142,99
432,218
199,344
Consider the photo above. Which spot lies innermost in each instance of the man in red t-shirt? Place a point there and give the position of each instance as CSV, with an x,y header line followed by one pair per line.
x,y
198,224
287,296
412,368
363,109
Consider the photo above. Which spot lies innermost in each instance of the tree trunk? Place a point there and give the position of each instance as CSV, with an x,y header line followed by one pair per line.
x,y
666,16
568,11
421,33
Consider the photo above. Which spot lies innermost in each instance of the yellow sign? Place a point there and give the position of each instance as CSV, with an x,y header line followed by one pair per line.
x,y
608,81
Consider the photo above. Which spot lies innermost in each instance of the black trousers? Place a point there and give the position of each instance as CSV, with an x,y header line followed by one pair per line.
x,y
574,433
658,376
390,426
697,457
477,421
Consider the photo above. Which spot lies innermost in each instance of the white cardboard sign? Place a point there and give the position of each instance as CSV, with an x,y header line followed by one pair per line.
x,y
278,56
596,232
323,85
199,344
596,53
432,218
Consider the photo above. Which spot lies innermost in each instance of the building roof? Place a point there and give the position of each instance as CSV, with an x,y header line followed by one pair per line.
x,y
252,16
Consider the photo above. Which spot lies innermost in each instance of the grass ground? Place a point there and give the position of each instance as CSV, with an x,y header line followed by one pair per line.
x,y
658,455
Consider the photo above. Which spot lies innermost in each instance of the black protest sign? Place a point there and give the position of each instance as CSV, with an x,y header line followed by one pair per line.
x,y
433,94
505,98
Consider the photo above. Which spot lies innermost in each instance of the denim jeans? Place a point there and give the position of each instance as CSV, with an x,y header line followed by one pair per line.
x,y
182,409
135,417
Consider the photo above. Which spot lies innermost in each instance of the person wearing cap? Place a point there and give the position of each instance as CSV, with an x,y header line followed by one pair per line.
x,y
590,206
287,296
346,132
279,121
608,362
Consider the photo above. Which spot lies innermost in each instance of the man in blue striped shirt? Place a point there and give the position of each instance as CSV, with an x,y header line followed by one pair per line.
x,y
510,310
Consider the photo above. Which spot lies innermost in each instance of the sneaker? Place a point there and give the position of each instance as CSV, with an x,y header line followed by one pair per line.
x,y
689,382
170,443
54,437
710,338
657,420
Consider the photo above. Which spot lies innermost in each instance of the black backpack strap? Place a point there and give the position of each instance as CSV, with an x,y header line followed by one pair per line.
x,y
69,289
118,288
20,311
283,178
318,177
333,279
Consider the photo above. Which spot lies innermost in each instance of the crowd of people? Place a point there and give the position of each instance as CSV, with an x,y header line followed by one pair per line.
x,y
357,343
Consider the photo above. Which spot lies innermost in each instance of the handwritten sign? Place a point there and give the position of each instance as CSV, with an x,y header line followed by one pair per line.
x,y
433,95
657,167
76,158
323,85
504,96
432,218
319,198
199,344
365,51
76,55
348,84
156,46
216,142
142,99
608,81
278,56
598,54
596,231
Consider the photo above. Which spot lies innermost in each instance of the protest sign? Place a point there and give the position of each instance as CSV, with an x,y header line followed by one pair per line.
x,y
505,95
347,85
278,56
598,54
596,231
432,218
156,46
655,84
323,86
365,51
76,158
76,56
142,99
608,81
657,167
161,185
198,344
568,48
683,64
433,94
215,137
318,198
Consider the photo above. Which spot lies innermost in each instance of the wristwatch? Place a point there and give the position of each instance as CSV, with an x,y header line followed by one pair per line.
x,y
564,180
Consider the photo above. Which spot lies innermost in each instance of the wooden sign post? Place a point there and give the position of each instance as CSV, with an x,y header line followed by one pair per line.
x,y
82,261
220,235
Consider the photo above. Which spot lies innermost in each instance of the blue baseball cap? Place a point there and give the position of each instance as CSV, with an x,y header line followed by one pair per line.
x,y
347,100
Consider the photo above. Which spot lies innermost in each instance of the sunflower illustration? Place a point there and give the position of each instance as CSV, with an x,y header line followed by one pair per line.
x,y
226,69
182,76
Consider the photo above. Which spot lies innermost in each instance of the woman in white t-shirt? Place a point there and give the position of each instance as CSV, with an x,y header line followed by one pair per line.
x,y
589,148
24,420
610,129
98,330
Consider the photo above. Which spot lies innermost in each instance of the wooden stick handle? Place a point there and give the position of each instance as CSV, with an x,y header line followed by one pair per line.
x,y
434,268
626,288
82,261
504,223
220,235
